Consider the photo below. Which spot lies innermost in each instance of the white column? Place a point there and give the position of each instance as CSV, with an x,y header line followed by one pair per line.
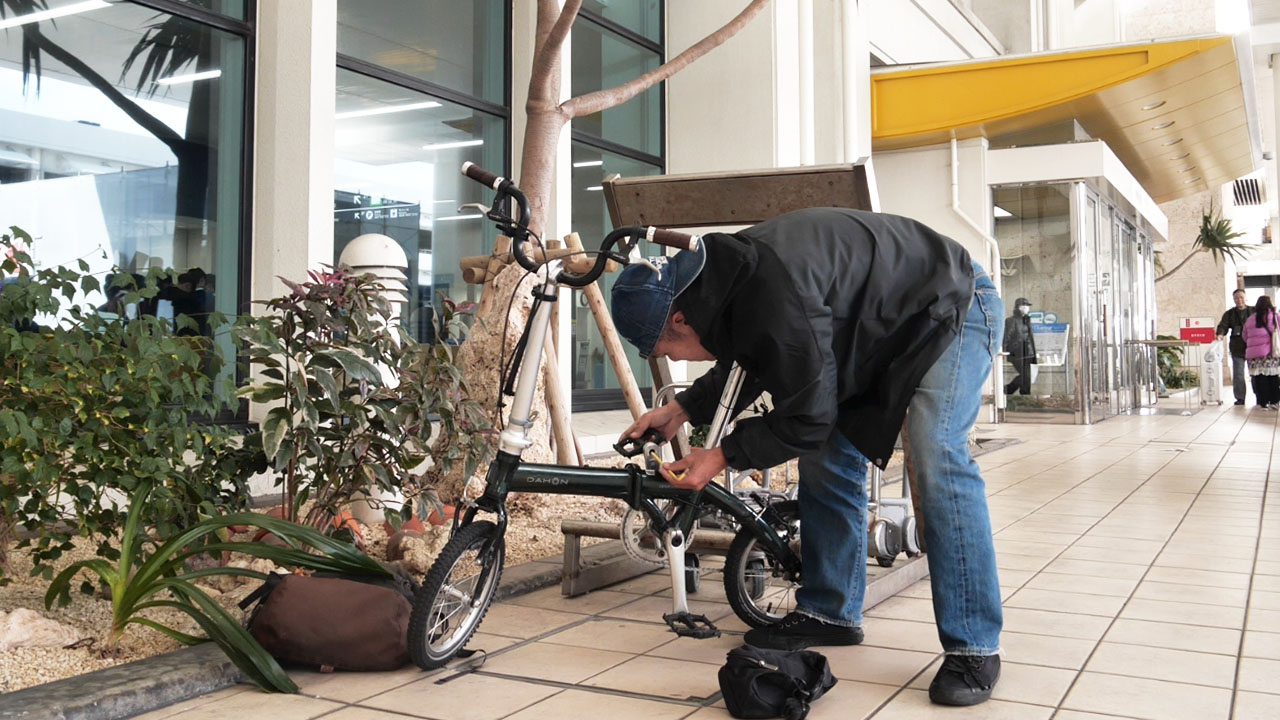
x,y
805,51
856,62
1275,143
293,139
788,124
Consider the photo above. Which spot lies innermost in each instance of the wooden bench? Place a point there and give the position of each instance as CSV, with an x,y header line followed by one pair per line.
x,y
613,564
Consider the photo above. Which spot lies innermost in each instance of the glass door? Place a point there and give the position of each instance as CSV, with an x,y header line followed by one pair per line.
x,y
1097,259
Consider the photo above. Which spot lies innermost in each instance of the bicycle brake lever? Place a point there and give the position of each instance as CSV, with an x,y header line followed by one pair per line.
x,y
635,257
632,447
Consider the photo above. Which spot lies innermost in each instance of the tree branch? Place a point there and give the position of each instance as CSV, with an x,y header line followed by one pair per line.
x,y
149,122
612,97
560,30
1184,262
549,47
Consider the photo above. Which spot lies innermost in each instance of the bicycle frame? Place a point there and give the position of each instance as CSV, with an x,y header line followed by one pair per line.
x,y
632,484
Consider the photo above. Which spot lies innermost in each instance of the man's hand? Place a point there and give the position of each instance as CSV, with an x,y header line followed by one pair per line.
x,y
696,470
666,420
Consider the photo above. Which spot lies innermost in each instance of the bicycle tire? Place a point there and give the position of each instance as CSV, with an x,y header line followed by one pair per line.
x,y
436,593
749,570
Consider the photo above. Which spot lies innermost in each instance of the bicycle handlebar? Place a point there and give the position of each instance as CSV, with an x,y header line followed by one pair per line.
x,y
626,238
482,176
671,238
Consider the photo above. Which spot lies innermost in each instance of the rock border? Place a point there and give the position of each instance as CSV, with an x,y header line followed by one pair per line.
x,y
145,685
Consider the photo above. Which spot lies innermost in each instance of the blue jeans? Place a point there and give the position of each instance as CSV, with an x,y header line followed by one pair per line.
x,y
955,521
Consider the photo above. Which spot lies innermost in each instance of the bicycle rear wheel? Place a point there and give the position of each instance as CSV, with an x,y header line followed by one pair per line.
x,y
455,595
755,582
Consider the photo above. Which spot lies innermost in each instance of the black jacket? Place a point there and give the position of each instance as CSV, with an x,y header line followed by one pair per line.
x,y
838,314
1019,341
1233,322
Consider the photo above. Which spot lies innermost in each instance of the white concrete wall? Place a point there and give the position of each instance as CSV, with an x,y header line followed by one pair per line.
x,y
1084,23
916,183
721,110
923,31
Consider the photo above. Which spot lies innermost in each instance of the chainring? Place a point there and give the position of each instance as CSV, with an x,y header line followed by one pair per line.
x,y
641,541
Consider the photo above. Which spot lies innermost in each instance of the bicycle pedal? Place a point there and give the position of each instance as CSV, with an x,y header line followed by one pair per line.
x,y
689,625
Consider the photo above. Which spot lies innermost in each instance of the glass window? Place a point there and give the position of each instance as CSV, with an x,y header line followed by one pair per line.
x,y
397,173
233,8
603,60
643,17
123,147
458,45
590,365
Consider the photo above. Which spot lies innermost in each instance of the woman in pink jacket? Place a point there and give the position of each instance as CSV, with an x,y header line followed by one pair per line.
x,y
1264,367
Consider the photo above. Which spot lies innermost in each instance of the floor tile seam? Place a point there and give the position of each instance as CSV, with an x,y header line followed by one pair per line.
x,y
1127,600
472,665
598,690
1257,549
1163,680
904,687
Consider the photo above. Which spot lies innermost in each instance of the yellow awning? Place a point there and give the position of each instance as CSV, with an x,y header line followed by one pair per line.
x,y
1173,112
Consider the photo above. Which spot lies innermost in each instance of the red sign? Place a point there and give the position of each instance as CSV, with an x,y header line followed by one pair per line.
x,y
1197,330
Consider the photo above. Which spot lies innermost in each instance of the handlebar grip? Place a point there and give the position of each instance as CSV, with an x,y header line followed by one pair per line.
x,y
671,238
480,175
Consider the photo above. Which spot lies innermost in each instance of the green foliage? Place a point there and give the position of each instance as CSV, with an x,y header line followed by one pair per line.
x,y
1216,235
355,395
1169,365
148,576
92,405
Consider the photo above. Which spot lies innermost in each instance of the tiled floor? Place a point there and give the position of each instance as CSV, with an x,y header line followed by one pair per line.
x,y
1140,562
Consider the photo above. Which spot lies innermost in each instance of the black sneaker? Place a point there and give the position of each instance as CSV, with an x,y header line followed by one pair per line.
x,y
1239,402
797,632
965,679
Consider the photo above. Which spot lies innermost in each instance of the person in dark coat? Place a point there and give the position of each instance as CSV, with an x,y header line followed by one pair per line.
x,y
1020,343
846,318
1232,323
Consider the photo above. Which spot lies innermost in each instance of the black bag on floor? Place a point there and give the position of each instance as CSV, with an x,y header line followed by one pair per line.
x,y
760,683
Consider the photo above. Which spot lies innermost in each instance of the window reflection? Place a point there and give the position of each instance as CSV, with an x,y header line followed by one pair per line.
x,y
123,149
396,173
591,368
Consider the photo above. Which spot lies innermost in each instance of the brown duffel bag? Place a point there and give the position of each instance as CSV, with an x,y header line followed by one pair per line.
x,y
331,622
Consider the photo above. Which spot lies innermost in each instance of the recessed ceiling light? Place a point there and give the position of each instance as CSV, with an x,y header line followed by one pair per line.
x,y
1171,142
1188,182
386,110
1163,125
63,11
454,218
190,77
1153,106
1187,168
594,188
452,145
1183,156
589,163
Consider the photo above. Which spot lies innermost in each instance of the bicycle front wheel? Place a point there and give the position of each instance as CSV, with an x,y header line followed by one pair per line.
x,y
456,594
755,582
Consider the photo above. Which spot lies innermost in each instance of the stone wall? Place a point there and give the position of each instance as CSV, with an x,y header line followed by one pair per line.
x,y
1200,288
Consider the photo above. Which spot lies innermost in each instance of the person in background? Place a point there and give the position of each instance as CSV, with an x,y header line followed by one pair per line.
x,y
1020,343
1264,366
1232,323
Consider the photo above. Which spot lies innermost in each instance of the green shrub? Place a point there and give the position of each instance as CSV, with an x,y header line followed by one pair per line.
x,y
355,396
93,404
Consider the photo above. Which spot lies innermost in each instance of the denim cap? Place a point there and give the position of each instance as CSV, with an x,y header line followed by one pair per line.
x,y
642,300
